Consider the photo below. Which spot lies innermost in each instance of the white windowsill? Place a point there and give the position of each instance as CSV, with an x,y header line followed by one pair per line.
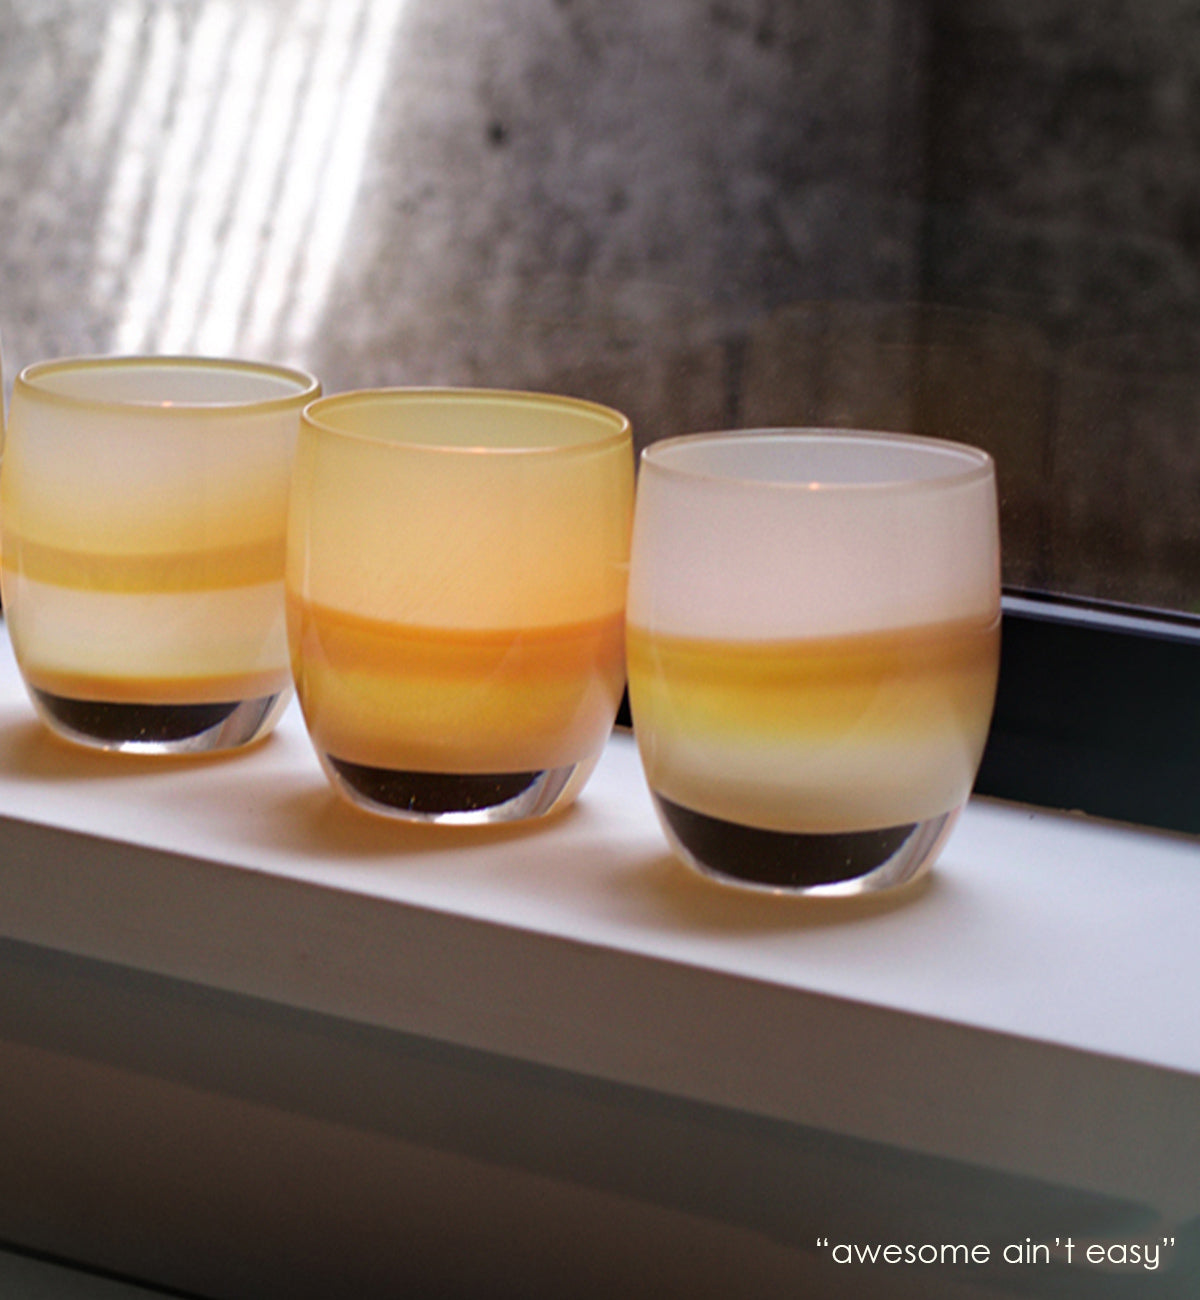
x,y
1036,992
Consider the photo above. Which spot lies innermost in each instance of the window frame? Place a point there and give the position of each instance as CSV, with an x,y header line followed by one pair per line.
x,y
1097,711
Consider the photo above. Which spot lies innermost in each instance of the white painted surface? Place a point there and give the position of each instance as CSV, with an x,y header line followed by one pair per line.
x,y
1031,1008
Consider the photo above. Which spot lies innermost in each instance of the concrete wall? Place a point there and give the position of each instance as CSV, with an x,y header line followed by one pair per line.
x,y
638,200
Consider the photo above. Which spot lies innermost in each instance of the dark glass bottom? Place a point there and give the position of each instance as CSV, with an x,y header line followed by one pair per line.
x,y
158,728
431,793
453,796
794,861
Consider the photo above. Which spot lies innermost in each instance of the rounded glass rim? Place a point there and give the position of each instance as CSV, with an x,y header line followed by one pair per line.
x,y
619,432
31,379
973,463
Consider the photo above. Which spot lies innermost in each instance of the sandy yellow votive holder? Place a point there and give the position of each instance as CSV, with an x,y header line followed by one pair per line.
x,y
143,507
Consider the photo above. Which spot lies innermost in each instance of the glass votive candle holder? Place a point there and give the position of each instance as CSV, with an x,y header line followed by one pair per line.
x,y
143,505
456,572
813,645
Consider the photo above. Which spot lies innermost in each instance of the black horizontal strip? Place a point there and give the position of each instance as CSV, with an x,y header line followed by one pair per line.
x,y
1098,711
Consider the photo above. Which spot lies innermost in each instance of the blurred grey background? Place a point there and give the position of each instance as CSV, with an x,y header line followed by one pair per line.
x,y
973,218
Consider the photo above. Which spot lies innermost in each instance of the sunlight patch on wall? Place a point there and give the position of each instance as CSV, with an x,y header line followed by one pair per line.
x,y
234,137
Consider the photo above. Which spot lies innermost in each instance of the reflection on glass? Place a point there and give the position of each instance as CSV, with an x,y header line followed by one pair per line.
x,y
1126,478
932,370
650,349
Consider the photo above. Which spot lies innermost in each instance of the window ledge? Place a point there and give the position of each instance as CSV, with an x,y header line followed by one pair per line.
x,y
1038,990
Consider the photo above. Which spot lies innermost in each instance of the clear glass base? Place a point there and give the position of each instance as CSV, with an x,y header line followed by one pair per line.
x,y
160,728
784,862
452,798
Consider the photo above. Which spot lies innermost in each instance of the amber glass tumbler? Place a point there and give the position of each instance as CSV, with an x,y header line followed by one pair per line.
x,y
456,574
